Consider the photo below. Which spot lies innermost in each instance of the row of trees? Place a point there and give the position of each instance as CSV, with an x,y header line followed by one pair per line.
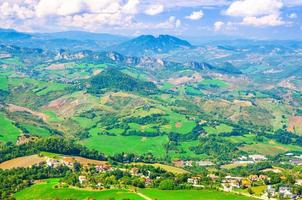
x,y
113,79
52,144
14,180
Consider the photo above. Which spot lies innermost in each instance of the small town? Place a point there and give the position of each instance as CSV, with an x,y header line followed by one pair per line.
x,y
267,183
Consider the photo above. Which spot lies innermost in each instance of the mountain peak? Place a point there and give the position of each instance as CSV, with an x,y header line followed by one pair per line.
x,y
149,44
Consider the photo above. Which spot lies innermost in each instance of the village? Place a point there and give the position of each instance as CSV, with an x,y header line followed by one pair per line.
x,y
261,185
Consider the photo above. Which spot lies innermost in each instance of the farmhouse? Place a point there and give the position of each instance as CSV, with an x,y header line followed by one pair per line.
x,y
148,180
82,179
178,163
257,158
213,177
134,171
188,163
299,182
285,192
68,161
53,163
204,163
193,180
102,167
271,191
296,161
234,182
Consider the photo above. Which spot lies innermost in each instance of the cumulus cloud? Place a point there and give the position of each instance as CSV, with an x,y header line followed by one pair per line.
x,y
154,9
62,14
293,16
171,23
196,15
188,3
292,3
257,12
268,20
218,25
254,8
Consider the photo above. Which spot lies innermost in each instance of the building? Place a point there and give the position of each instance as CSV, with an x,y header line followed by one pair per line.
x,y
68,161
213,177
296,162
193,180
134,171
271,192
204,163
243,162
257,158
299,182
234,182
178,163
82,179
102,167
285,192
147,180
53,163
188,163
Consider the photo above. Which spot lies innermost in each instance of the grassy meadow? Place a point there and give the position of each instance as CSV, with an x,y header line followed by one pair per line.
x,y
191,194
47,191
111,145
8,132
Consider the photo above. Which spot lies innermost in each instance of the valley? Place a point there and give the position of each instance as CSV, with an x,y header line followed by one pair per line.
x,y
206,120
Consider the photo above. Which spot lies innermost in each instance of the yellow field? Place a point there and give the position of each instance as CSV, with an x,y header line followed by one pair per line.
x,y
26,161
168,168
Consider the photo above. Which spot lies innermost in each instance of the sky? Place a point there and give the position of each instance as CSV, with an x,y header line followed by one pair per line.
x,y
256,19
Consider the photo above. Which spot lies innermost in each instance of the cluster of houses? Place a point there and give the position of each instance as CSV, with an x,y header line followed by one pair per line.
x,y
70,161
294,159
229,182
190,163
250,159
284,192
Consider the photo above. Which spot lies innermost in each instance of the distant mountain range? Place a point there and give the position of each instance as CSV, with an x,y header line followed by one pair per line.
x,y
78,40
149,45
10,34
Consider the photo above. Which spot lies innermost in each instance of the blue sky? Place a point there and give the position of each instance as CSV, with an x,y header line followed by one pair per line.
x,y
258,19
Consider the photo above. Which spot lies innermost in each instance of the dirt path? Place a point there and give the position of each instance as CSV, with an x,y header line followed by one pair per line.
x,y
143,196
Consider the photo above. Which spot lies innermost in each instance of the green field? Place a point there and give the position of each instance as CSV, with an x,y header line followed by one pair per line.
x,y
167,86
131,144
47,191
191,195
85,122
35,130
270,148
178,123
192,91
8,132
52,116
213,83
3,83
222,128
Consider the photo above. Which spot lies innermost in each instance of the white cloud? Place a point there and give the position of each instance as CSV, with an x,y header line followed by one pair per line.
x,y
293,15
62,14
188,3
257,12
154,9
291,3
196,15
171,23
131,7
268,20
218,25
254,8
15,11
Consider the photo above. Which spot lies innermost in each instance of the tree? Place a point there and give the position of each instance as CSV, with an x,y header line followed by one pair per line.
x,y
167,184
